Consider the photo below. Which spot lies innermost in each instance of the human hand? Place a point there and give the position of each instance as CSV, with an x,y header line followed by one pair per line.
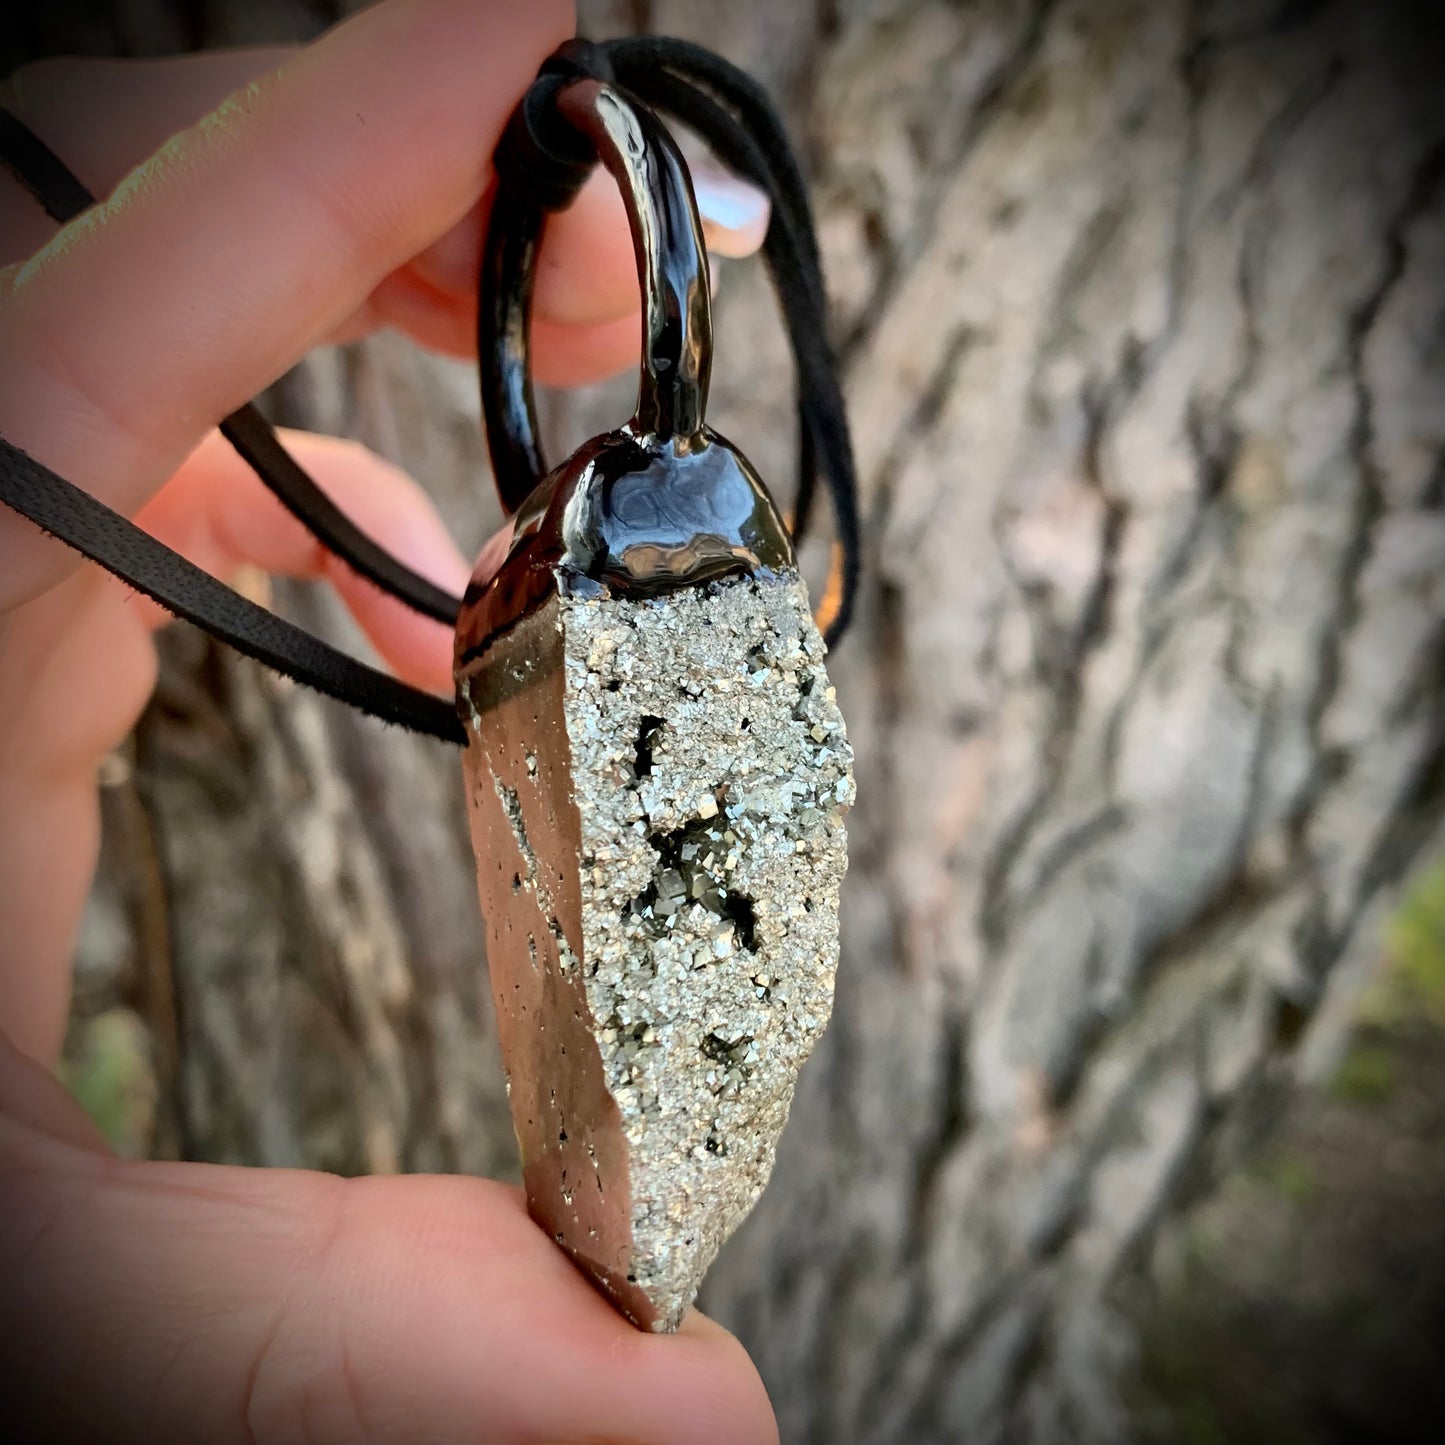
x,y
176,1302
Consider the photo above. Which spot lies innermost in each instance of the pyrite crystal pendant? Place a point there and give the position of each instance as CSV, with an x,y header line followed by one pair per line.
x,y
656,775
656,791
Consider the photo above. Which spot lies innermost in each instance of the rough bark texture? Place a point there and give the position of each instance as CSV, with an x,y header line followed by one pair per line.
x,y
1144,324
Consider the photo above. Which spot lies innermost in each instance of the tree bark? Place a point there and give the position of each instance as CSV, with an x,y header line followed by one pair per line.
x,y
1142,315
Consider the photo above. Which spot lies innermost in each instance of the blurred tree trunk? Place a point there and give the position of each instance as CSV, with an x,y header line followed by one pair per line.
x,y
1143,312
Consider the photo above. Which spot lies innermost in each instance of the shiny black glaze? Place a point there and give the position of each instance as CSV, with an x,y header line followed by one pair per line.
x,y
628,516
672,268
671,257
509,265
662,504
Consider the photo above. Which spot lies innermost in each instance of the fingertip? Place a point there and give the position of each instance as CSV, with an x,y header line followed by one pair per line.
x,y
586,267
390,506
220,516
451,263
705,1379
583,355
32,1096
580,1370
561,355
735,214
696,1325
417,649
586,272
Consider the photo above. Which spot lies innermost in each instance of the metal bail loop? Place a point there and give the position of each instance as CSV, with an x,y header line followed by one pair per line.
x,y
672,265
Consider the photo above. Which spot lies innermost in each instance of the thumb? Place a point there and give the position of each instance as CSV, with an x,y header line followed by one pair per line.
x,y
216,265
187,1302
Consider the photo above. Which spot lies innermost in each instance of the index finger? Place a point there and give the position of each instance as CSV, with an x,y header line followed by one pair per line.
x,y
246,240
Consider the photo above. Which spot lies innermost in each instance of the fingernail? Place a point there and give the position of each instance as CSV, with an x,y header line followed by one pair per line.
x,y
734,212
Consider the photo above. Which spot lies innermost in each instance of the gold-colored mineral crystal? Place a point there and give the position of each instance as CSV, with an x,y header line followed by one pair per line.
x,y
656,791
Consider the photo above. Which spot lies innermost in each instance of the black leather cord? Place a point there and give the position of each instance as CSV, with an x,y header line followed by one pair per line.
x,y
103,535
76,518
41,171
256,441
539,152
64,197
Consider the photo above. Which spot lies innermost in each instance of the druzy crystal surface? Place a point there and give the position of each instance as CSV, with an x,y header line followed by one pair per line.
x,y
656,790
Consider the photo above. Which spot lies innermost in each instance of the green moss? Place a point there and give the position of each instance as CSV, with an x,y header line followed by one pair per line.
x,y
1367,1075
1176,1382
1197,1421
1409,993
1415,945
1198,1384
107,1068
1293,1177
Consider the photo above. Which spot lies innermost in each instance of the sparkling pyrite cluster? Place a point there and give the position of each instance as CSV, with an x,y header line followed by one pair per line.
x,y
657,790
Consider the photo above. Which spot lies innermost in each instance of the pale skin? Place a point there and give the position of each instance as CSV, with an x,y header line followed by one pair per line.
x,y
342,191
